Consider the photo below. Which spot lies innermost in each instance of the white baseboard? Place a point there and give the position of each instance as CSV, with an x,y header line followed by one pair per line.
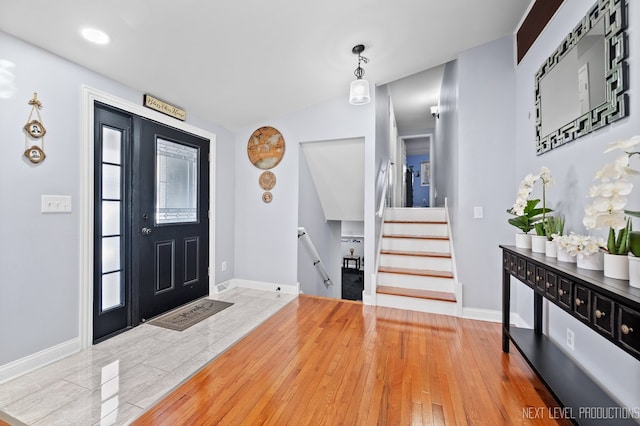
x,y
39,359
492,316
224,286
367,299
266,286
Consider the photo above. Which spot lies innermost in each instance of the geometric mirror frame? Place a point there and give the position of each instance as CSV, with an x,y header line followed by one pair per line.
x,y
614,105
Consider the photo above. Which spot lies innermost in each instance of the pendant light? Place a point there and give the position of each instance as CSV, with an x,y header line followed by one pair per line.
x,y
359,90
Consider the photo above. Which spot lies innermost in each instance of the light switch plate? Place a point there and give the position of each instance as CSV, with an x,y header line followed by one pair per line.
x,y
478,212
56,204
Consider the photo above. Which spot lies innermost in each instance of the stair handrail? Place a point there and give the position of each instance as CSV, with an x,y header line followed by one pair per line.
x,y
317,262
384,188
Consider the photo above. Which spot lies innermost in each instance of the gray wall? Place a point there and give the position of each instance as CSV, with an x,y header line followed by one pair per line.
x,y
324,234
486,116
445,145
39,268
373,227
266,234
573,166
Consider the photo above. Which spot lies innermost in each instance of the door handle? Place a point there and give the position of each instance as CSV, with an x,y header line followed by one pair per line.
x,y
145,231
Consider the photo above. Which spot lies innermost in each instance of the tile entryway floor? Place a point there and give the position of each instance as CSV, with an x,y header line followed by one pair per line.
x,y
115,381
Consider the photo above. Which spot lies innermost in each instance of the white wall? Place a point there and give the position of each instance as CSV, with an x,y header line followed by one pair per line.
x,y
266,234
573,166
39,269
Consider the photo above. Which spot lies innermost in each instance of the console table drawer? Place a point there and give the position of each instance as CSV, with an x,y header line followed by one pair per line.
x,y
564,293
551,285
629,330
582,302
603,314
521,270
531,274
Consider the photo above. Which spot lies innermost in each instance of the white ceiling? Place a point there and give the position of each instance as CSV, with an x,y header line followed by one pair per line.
x,y
238,63
412,99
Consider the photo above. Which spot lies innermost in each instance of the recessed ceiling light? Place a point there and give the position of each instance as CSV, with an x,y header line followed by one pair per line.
x,y
95,36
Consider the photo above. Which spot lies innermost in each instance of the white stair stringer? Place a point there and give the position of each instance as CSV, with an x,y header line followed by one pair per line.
x,y
416,267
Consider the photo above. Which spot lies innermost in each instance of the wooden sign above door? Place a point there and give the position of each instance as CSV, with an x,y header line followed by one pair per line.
x,y
165,108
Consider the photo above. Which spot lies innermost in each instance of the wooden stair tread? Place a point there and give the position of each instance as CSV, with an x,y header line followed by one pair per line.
x,y
416,253
416,237
418,222
420,294
420,272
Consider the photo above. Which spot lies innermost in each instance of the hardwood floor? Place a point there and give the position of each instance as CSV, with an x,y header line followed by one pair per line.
x,y
327,362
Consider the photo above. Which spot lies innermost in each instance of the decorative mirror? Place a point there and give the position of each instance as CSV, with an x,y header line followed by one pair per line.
x,y
582,86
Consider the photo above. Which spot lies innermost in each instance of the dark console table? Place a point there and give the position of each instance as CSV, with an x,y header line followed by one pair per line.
x,y
608,306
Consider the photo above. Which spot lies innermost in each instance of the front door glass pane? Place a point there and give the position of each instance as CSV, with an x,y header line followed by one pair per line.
x,y
176,183
111,232
111,291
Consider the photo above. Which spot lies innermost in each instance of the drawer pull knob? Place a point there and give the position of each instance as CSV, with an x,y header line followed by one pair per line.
x,y
528,272
549,285
626,329
560,292
578,301
599,313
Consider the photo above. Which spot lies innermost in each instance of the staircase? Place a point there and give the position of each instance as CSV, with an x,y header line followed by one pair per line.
x,y
416,268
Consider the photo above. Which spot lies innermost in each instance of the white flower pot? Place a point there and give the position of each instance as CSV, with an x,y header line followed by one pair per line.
x,y
564,256
593,261
634,271
616,266
551,249
523,240
538,243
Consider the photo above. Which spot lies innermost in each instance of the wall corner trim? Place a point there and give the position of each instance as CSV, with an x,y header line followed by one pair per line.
x,y
39,359
492,316
267,286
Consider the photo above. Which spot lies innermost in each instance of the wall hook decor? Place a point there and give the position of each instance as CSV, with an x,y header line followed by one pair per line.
x,y
35,131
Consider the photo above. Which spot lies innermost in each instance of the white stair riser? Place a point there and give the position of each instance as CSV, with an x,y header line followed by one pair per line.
x,y
416,262
412,244
415,282
415,304
415,214
433,229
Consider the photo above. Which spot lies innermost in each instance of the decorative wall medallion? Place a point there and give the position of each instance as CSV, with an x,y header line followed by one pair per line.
x,y
265,148
267,197
34,130
267,180
35,154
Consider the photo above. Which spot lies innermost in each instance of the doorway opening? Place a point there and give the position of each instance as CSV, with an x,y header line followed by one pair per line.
x,y
416,185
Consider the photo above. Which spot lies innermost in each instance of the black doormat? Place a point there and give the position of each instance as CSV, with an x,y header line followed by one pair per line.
x,y
182,318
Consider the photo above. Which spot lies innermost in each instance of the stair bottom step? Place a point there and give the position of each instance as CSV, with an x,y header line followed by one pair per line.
x,y
420,294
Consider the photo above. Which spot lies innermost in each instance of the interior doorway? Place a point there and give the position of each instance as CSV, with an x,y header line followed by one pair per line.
x,y
417,171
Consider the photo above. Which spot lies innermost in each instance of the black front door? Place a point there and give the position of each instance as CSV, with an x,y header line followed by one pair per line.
x,y
170,218
151,220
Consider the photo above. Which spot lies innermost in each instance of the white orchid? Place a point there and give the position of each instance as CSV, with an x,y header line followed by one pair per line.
x,y
610,196
575,244
525,209
624,145
545,176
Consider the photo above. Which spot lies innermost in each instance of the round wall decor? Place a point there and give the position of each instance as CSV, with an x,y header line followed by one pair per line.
x,y
265,148
267,180
267,197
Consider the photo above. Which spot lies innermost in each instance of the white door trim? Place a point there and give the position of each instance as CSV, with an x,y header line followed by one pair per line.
x,y
89,96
